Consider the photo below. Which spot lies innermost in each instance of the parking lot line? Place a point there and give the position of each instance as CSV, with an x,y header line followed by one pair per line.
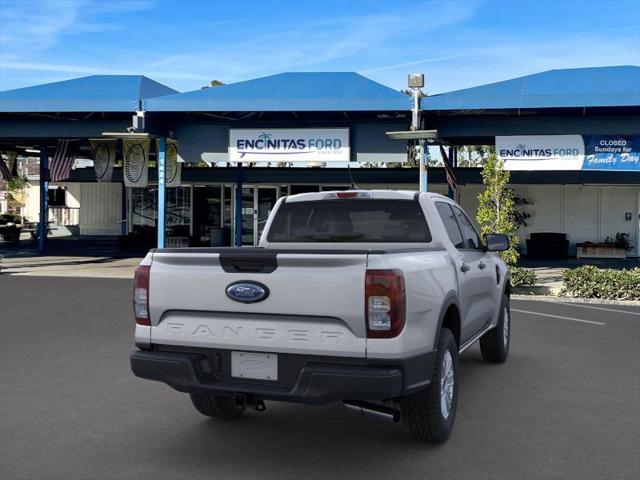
x,y
629,312
558,316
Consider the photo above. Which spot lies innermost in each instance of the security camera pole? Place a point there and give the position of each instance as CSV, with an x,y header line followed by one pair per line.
x,y
416,83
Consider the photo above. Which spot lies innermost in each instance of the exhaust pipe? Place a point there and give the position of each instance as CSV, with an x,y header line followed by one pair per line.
x,y
372,410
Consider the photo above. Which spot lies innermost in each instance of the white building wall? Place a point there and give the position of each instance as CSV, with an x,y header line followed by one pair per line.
x,y
73,195
100,208
31,208
615,202
581,215
583,212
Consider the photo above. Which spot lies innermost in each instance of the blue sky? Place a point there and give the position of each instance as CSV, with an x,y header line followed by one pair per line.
x,y
184,44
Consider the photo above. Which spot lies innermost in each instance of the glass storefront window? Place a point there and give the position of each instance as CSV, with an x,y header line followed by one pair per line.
x,y
178,219
178,206
207,216
144,207
228,209
304,189
144,213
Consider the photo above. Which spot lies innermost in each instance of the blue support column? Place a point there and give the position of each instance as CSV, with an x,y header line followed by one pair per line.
x,y
453,157
238,209
162,190
450,161
424,163
44,199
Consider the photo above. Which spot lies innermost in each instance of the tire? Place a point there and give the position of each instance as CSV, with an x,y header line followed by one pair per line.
x,y
216,406
494,344
427,413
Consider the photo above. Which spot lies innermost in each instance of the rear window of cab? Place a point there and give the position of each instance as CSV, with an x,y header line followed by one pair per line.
x,y
350,221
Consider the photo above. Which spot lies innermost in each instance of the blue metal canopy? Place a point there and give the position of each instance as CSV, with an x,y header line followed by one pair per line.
x,y
96,93
288,92
578,87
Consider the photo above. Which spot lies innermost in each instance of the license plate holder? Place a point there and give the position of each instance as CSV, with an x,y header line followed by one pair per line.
x,y
255,366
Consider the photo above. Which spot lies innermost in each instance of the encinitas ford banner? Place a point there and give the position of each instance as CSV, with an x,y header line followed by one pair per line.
x,y
569,152
541,152
289,145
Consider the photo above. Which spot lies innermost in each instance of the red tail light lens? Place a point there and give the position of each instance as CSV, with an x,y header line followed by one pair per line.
x,y
141,295
385,303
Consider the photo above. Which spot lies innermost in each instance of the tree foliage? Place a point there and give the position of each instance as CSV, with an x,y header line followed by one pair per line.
x,y
497,208
474,155
213,83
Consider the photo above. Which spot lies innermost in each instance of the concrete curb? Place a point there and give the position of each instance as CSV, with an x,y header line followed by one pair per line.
x,y
556,299
535,290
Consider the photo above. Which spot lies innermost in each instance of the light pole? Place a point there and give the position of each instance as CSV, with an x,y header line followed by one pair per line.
x,y
416,83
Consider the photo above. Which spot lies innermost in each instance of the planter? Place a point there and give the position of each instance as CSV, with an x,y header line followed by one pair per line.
x,y
599,250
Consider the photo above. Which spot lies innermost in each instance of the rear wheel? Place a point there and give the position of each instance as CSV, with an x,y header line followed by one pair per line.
x,y
216,406
430,413
494,344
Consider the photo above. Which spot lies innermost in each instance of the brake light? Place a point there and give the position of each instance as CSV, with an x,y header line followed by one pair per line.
x,y
342,195
385,303
141,295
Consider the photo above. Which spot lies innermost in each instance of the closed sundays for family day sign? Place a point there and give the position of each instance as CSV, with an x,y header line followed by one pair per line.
x,y
569,152
289,145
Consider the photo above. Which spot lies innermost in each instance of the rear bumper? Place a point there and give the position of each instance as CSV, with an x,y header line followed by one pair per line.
x,y
312,380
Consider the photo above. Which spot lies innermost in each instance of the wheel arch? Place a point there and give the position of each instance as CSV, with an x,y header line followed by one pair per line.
x,y
450,318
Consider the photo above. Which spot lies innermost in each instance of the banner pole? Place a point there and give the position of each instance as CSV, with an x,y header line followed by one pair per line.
x,y
162,149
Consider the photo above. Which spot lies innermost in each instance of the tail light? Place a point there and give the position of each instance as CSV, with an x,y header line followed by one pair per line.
x,y
141,295
385,303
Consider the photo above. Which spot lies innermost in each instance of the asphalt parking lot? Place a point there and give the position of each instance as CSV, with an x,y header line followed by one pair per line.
x,y
566,405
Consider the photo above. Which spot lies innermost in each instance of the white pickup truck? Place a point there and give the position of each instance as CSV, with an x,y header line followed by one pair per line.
x,y
363,297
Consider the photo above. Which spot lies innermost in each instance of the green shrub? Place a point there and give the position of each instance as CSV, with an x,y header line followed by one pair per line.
x,y
592,282
522,277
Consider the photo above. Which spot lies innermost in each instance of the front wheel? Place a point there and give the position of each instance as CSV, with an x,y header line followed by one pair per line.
x,y
430,413
216,406
494,345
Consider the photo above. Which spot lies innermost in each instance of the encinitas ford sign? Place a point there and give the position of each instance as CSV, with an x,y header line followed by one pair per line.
x,y
541,152
289,145
569,152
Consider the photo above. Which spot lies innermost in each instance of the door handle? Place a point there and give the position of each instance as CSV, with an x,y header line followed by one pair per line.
x,y
482,265
465,267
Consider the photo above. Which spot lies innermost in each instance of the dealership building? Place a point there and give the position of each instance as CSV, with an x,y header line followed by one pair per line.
x,y
571,139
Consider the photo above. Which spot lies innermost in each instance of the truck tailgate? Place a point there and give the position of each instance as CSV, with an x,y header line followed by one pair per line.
x,y
315,304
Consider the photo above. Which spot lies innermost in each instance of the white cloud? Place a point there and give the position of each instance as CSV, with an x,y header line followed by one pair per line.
x,y
89,70
408,64
314,46
30,27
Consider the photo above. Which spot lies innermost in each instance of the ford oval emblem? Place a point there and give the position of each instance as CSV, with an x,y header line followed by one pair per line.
x,y
246,291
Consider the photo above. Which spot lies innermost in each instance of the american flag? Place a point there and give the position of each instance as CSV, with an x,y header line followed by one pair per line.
x,y
62,161
448,170
4,170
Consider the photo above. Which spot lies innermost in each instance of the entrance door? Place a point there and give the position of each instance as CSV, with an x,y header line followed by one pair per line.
x,y
257,203
248,214
267,197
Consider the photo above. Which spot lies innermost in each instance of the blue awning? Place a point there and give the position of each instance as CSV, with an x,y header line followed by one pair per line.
x,y
288,92
96,93
577,87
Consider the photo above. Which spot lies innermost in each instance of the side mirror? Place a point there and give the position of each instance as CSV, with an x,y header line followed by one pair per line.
x,y
497,242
